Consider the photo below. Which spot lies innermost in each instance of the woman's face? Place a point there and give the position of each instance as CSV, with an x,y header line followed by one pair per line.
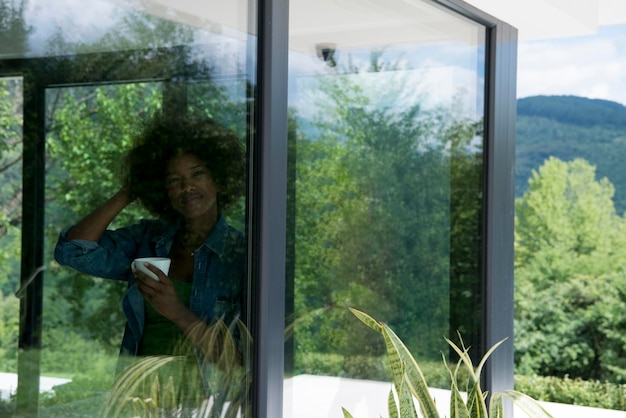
x,y
190,187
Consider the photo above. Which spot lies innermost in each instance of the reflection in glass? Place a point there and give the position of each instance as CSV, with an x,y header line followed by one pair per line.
x,y
386,104
11,149
93,77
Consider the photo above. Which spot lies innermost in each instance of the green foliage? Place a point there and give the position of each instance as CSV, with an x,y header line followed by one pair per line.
x,y
576,391
65,353
329,364
90,131
9,328
566,209
15,32
570,286
375,172
411,387
10,215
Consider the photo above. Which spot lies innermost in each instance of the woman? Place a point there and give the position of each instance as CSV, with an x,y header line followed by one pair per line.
x,y
185,171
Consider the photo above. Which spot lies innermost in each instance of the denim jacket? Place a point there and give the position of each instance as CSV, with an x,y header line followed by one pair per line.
x,y
218,278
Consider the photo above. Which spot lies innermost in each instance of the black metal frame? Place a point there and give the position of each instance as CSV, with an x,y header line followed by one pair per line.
x,y
268,246
31,303
267,239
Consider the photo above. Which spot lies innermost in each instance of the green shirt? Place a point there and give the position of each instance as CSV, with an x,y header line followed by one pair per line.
x,y
161,336
180,380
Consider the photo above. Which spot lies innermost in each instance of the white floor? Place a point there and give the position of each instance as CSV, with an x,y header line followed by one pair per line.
x,y
307,396
8,384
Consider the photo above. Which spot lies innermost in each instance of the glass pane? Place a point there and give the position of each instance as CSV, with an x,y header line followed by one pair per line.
x,y
144,111
90,129
11,149
386,105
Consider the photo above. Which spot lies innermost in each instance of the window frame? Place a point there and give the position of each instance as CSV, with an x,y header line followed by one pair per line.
x,y
266,203
268,241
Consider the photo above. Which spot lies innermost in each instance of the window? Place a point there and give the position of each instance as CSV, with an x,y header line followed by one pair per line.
x,y
91,82
378,141
386,143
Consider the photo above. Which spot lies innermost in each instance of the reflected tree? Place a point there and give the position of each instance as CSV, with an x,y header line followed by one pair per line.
x,y
10,216
14,31
141,65
374,213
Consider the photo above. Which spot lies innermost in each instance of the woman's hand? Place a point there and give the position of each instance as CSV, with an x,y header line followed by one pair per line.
x,y
161,294
164,299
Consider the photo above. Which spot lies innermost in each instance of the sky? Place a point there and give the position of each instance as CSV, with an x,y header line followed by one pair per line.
x,y
589,66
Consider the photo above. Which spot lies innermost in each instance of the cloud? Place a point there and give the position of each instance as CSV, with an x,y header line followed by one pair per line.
x,y
72,18
590,66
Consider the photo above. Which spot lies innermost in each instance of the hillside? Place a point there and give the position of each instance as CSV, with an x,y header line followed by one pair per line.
x,y
569,127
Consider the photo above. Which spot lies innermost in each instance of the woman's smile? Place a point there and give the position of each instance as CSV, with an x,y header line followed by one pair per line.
x,y
190,187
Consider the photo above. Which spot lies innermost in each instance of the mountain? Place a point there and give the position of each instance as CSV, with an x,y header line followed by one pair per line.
x,y
569,127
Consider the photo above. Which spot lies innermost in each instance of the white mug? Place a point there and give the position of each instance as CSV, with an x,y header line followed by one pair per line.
x,y
162,263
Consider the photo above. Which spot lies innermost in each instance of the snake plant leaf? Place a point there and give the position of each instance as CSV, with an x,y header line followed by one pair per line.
x,y
496,407
367,320
530,406
406,404
475,405
458,408
476,398
486,356
396,365
476,402
346,414
392,407
465,358
413,376
405,399
410,383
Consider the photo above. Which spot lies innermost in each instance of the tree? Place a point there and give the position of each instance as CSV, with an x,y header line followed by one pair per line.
x,y
10,170
569,281
13,29
373,202
10,216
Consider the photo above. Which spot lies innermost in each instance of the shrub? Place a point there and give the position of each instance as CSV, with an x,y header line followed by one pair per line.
x,y
573,391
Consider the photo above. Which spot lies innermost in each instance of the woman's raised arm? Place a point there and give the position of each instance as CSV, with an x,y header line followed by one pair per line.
x,y
92,226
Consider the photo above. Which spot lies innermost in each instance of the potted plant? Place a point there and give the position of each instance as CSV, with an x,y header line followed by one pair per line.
x,y
411,388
